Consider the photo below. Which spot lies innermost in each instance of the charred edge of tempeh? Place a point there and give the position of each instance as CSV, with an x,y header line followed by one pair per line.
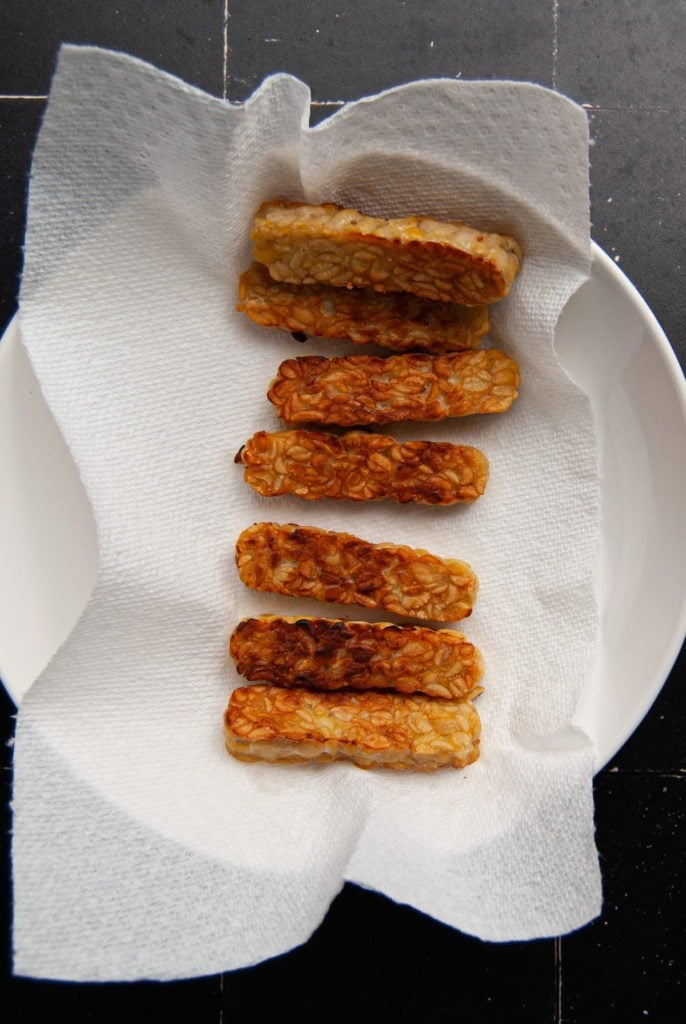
x,y
394,320
333,654
450,262
304,561
362,466
359,390
371,729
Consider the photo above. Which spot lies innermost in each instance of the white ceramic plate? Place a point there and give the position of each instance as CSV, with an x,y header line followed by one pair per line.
x,y
609,342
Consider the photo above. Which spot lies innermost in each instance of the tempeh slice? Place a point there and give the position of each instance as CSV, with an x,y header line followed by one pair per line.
x,y
371,729
363,467
304,561
334,654
394,320
303,244
359,390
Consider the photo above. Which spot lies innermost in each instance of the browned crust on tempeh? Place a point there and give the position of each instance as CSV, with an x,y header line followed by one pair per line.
x,y
362,466
304,561
450,262
394,320
371,729
360,389
334,654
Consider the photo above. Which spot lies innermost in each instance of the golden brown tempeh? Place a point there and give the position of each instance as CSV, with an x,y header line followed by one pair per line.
x,y
371,729
363,467
394,320
303,244
334,654
357,390
304,561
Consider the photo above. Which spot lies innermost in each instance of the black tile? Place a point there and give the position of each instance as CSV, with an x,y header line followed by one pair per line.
x,y
19,123
183,1002
629,965
623,53
374,960
185,38
349,50
621,158
5,821
659,743
7,713
637,206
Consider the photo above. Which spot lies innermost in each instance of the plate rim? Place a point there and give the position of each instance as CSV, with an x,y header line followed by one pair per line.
x,y
677,380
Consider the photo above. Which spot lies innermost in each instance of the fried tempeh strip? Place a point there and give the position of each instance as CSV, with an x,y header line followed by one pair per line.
x,y
357,390
363,467
334,654
303,244
394,320
304,561
371,729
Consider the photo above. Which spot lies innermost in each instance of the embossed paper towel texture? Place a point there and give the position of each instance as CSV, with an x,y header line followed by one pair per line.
x,y
141,849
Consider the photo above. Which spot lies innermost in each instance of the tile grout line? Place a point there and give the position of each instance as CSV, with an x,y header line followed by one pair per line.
x,y
557,954
630,109
556,18
591,107
225,64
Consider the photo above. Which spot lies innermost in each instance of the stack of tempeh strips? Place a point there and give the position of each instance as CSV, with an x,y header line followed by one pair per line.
x,y
375,693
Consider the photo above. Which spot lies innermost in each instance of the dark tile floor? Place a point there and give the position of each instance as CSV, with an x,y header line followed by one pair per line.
x,y
624,61
19,124
185,38
348,50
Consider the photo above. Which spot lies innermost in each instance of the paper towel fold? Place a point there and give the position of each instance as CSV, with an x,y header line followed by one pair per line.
x,y
140,848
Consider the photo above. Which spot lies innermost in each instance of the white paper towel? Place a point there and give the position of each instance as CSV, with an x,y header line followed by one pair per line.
x,y
141,849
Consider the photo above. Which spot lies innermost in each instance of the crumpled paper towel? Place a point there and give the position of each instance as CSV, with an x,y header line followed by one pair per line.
x,y
141,849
